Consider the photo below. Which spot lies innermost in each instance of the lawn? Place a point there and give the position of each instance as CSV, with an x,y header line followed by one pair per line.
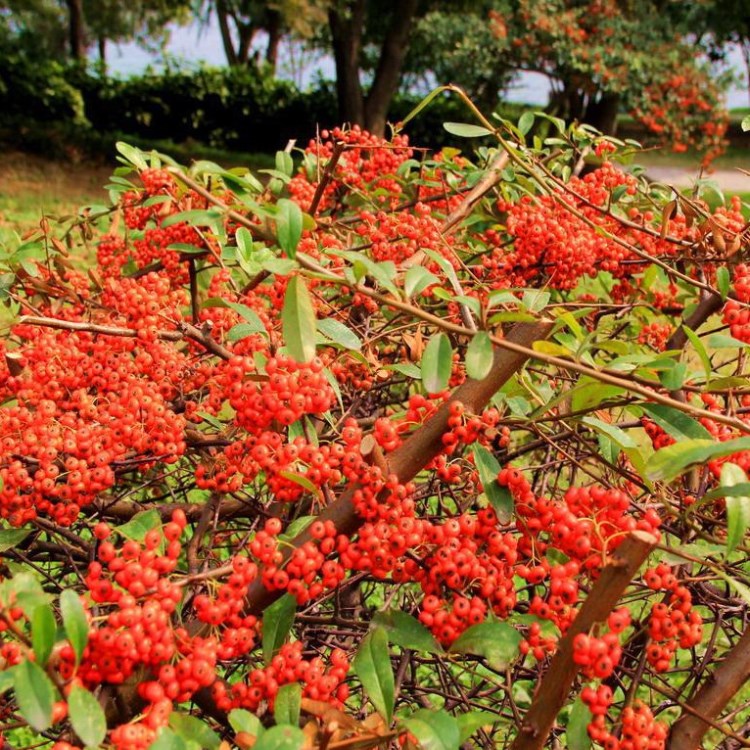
x,y
32,187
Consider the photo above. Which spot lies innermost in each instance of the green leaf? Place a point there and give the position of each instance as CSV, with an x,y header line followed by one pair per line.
x,y
535,300
6,680
722,341
723,281
738,507
406,631
525,122
576,733
472,721
407,369
298,321
244,240
339,334
675,423
610,430
735,491
281,738
35,694
417,279
700,350
168,740
745,124
132,154
249,316
284,163
74,621
10,538
499,496
43,632
87,717
479,356
192,729
670,462
139,525
437,363
465,130
277,622
424,103
372,665
26,590
673,378
242,331
243,721
589,393
195,218
288,702
288,226
297,527
496,641
302,481
434,730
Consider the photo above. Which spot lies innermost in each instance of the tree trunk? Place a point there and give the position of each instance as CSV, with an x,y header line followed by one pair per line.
x,y
602,113
388,73
574,104
274,39
102,42
745,47
246,32
222,14
75,29
346,26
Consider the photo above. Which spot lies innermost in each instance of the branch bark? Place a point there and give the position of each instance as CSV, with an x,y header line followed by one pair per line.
x,y
708,305
718,689
554,689
184,330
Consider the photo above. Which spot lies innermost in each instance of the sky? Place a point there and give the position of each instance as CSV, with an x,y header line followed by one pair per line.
x,y
197,43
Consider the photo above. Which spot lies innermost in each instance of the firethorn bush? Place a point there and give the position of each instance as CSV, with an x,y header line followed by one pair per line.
x,y
378,448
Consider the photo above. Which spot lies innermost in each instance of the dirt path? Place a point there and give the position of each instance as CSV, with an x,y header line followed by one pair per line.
x,y
729,180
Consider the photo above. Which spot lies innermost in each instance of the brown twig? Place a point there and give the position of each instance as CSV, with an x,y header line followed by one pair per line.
x,y
558,680
493,176
338,149
209,510
184,330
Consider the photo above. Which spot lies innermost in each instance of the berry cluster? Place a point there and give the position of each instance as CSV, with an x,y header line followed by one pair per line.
x,y
599,655
288,665
655,335
367,162
736,314
673,622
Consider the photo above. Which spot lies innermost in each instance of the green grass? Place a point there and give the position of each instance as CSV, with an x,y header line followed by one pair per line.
x,y
732,158
32,187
